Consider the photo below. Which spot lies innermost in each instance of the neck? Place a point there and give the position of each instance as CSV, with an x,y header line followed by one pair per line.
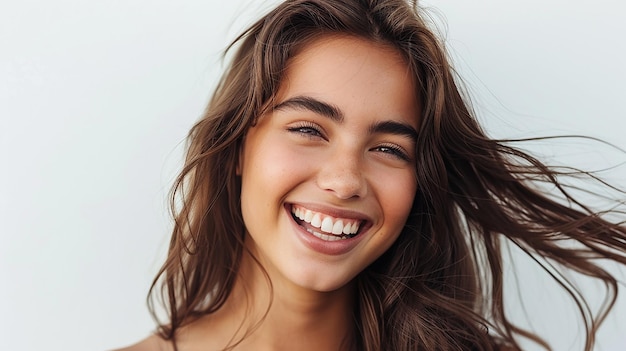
x,y
282,316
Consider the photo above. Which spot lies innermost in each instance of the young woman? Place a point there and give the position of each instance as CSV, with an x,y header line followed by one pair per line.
x,y
338,194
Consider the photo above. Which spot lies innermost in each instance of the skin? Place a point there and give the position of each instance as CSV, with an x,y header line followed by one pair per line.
x,y
345,165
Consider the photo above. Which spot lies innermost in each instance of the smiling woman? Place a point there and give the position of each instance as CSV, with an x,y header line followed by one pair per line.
x,y
332,163
338,194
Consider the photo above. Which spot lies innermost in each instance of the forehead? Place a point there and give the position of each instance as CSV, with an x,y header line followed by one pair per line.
x,y
354,74
343,49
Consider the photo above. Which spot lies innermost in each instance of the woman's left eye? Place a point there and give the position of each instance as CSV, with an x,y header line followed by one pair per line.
x,y
393,151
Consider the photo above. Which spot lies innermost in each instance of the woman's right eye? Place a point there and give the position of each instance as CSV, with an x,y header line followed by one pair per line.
x,y
307,130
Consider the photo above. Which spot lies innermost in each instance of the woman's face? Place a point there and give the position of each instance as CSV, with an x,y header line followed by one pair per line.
x,y
328,175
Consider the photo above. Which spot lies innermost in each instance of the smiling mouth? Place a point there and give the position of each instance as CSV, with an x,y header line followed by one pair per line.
x,y
326,227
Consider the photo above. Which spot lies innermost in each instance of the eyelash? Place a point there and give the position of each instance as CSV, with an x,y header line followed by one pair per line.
x,y
394,151
313,131
307,129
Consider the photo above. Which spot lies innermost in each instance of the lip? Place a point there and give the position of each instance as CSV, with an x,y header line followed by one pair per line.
x,y
334,248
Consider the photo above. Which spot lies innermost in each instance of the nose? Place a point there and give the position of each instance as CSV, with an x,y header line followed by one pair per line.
x,y
341,174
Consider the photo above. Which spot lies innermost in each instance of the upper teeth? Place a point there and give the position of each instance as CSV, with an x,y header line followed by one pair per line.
x,y
327,223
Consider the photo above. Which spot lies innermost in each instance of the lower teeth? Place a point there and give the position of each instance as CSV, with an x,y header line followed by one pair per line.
x,y
327,237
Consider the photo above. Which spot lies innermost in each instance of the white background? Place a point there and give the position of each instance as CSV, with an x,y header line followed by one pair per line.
x,y
96,98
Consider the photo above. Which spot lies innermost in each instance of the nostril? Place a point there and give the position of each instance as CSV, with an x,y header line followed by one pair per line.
x,y
343,184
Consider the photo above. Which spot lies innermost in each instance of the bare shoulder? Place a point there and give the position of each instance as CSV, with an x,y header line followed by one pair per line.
x,y
151,343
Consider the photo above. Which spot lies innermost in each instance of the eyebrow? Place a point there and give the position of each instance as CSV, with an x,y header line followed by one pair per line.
x,y
313,105
334,113
396,128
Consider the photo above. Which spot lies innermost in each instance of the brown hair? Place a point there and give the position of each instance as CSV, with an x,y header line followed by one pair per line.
x,y
440,285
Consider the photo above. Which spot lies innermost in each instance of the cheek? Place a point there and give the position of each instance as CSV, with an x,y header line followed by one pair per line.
x,y
269,171
397,199
271,164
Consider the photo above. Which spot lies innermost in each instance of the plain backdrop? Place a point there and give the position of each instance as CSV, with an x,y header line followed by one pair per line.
x,y
96,98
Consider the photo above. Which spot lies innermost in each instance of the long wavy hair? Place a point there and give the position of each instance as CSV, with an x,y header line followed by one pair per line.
x,y
440,285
